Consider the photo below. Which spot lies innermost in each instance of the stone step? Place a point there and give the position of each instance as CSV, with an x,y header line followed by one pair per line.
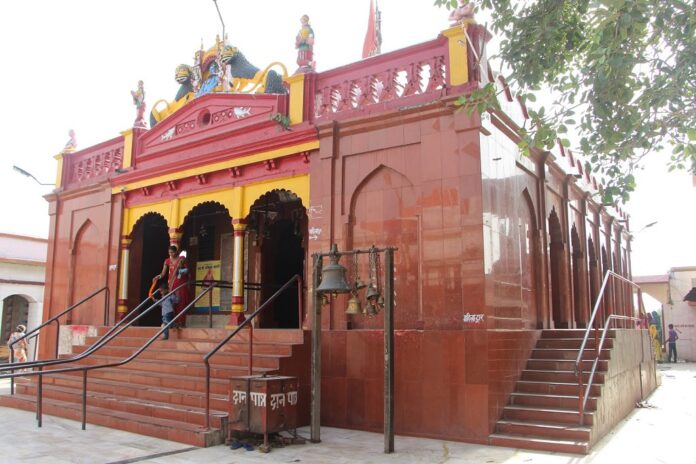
x,y
566,353
539,444
565,365
544,429
167,354
171,395
200,345
196,369
554,388
573,333
292,336
116,402
571,343
167,429
556,415
559,376
551,401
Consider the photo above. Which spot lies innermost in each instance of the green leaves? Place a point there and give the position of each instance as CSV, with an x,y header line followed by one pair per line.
x,y
628,67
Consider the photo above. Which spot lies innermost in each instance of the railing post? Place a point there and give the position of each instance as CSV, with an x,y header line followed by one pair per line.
x,y
251,348
389,351
315,434
84,399
207,395
39,396
57,336
12,381
210,309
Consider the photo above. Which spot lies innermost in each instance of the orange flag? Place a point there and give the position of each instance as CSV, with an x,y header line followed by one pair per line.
x,y
373,37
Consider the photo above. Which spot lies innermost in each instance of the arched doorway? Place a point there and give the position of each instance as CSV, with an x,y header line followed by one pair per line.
x,y
207,238
594,275
150,239
276,244
578,270
556,269
528,255
15,311
87,272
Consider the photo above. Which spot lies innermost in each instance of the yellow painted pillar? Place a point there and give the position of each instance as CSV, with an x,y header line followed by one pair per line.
x,y
237,316
175,237
122,306
457,46
297,96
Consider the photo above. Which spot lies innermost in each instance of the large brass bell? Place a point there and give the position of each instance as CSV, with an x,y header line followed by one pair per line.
x,y
354,306
333,276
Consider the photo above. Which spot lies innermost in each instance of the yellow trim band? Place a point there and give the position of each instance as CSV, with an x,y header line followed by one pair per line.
x,y
259,157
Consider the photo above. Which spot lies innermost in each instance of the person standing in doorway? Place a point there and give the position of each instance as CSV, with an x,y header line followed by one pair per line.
x,y
672,338
175,270
20,347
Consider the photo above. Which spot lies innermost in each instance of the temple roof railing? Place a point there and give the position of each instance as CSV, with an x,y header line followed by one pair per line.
x,y
409,76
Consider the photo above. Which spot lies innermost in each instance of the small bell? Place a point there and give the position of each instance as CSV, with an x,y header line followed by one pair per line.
x,y
372,293
354,305
370,309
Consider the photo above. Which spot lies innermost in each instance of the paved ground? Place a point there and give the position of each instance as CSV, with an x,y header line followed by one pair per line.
x,y
662,433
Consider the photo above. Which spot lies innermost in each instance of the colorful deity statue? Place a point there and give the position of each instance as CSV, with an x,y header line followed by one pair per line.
x,y
304,43
71,144
139,102
463,13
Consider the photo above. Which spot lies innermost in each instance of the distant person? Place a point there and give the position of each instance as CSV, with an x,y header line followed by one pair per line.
x,y
175,270
19,348
672,338
167,305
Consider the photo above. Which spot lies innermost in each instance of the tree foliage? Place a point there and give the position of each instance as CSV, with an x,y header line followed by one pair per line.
x,y
621,74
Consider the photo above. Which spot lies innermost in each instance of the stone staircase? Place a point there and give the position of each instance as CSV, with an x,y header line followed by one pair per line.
x,y
542,413
161,393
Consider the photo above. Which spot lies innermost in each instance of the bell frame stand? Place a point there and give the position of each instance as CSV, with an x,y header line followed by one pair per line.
x,y
318,259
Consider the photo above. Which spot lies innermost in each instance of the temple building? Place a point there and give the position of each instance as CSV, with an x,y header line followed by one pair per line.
x,y
499,262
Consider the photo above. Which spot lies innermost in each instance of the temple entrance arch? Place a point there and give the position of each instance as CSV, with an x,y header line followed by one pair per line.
x,y
148,250
207,238
276,247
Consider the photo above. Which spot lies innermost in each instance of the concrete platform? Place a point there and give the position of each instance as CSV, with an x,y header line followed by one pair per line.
x,y
661,433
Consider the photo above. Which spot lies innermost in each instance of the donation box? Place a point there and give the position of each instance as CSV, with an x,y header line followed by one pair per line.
x,y
262,404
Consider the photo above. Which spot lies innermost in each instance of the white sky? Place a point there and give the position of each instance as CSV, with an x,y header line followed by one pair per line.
x,y
72,63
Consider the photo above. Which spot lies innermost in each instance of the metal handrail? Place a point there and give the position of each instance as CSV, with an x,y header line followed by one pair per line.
x,y
582,398
247,321
103,340
35,333
208,287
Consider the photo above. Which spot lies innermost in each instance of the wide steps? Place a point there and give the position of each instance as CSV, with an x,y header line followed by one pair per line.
x,y
172,395
149,407
177,368
166,354
199,345
542,412
167,429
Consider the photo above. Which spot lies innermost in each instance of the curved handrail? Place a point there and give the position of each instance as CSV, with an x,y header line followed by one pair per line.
x,y
35,333
56,317
208,287
582,398
247,321
29,364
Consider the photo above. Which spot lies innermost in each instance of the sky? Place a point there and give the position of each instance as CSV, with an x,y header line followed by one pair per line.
x,y
71,64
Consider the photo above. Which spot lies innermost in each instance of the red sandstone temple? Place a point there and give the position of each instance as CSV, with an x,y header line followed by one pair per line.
x,y
500,259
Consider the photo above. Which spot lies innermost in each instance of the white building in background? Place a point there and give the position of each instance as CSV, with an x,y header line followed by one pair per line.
x,y
671,290
22,274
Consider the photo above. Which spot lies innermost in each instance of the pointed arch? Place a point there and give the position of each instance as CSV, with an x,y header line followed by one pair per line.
x,y
382,169
557,270
529,263
87,269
